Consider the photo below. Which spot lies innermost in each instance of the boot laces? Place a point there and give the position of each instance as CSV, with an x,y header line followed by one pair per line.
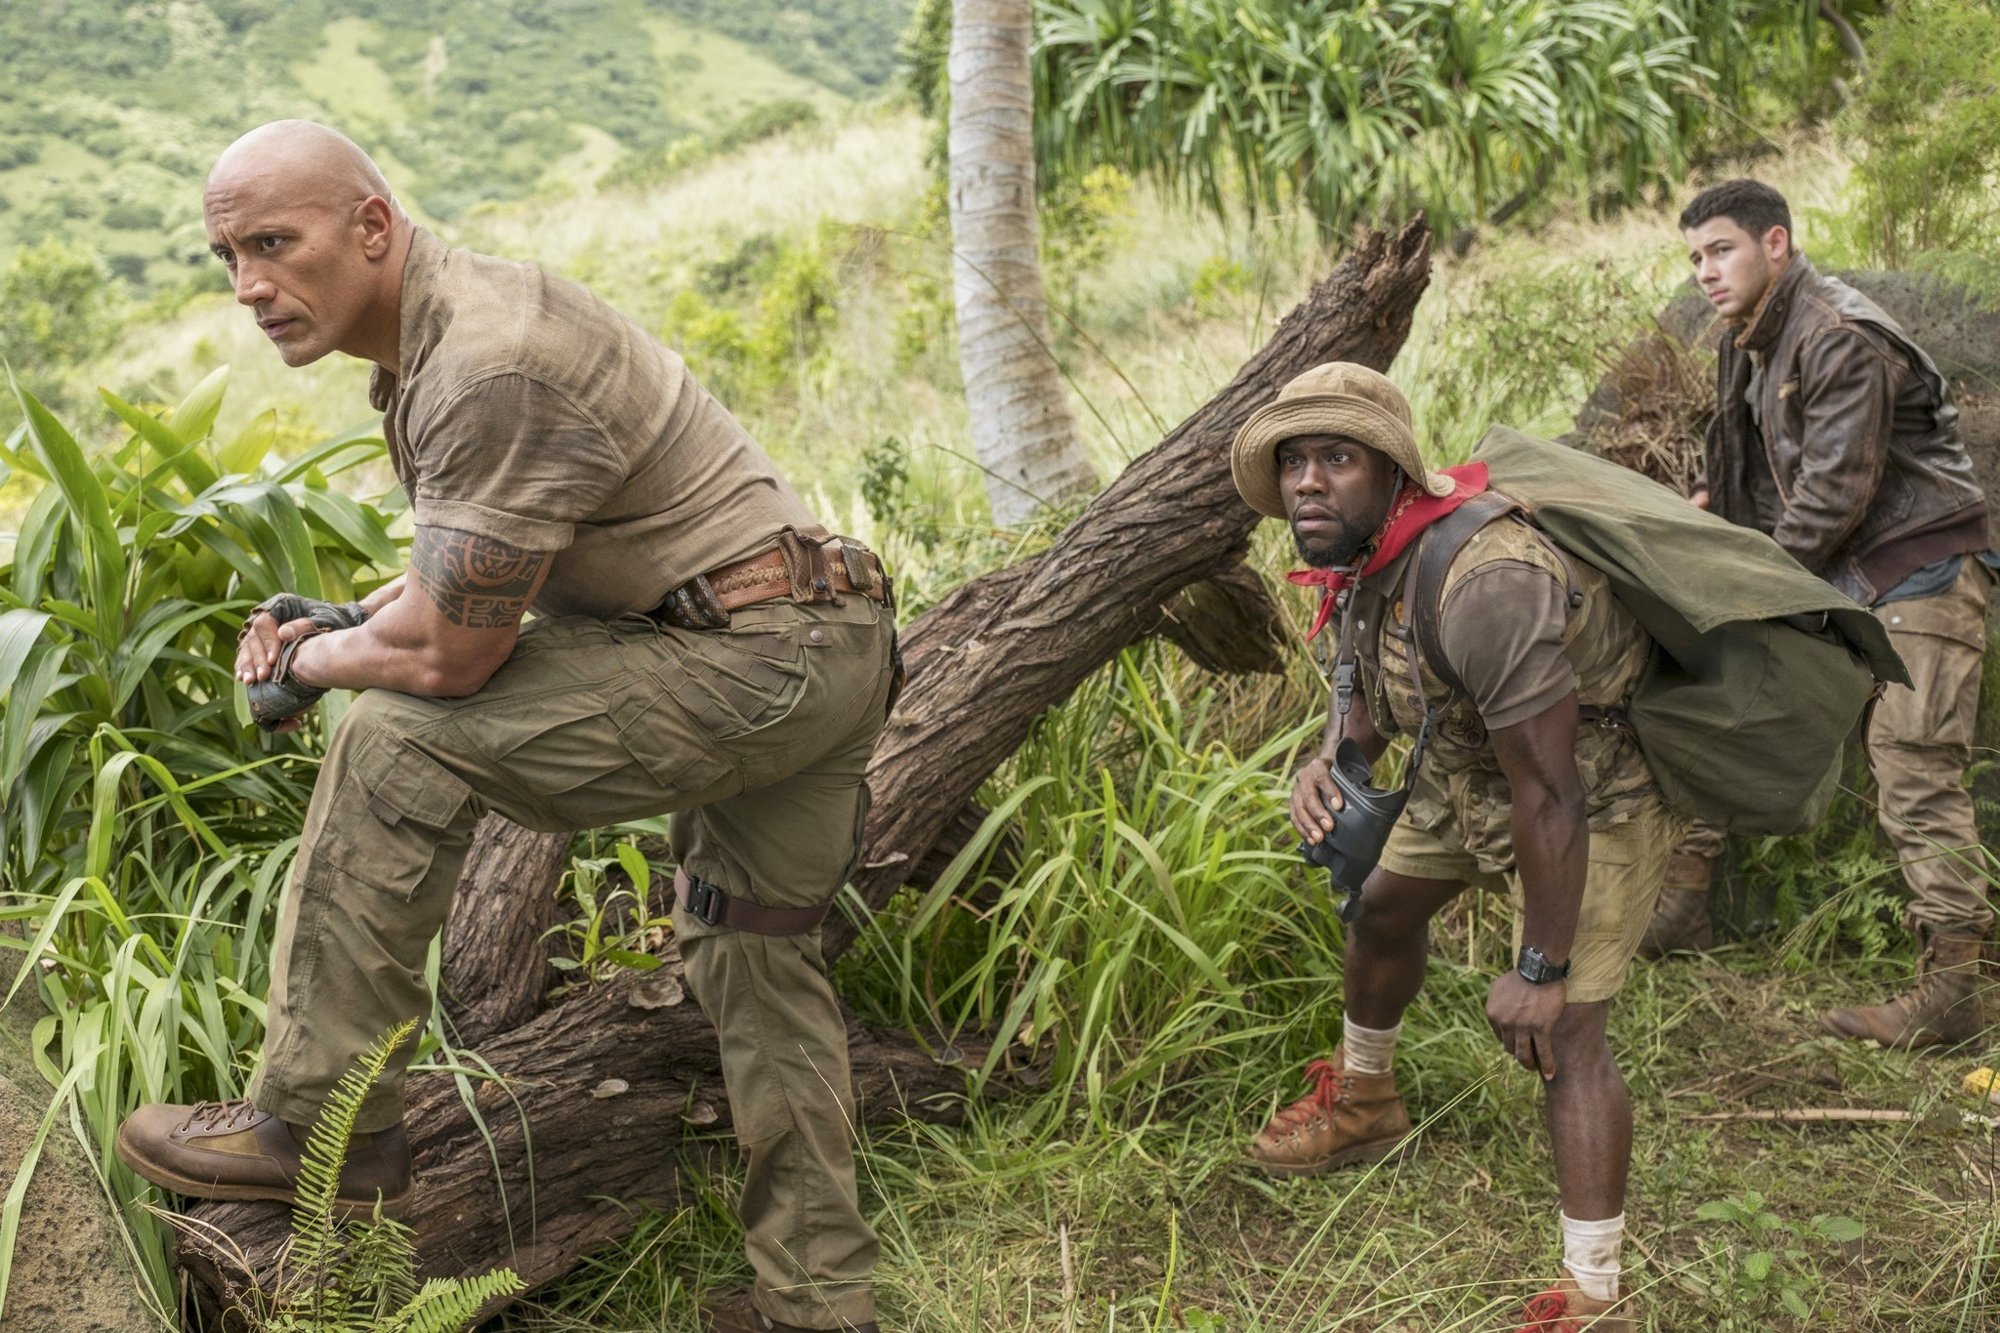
x,y
219,1115
1329,1085
1548,1312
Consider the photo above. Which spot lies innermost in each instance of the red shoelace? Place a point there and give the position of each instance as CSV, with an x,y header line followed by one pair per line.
x,y
1328,1082
1548,1312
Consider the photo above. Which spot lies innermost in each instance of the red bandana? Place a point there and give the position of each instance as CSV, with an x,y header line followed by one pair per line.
x,y
1413,511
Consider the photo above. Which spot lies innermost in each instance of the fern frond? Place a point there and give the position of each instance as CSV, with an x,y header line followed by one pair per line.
x,y
317,1292
448,1305
379,1268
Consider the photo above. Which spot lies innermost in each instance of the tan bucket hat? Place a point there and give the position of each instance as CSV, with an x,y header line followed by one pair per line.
x,y
1338,398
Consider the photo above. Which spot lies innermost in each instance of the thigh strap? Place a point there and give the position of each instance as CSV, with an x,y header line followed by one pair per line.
x,y
712,906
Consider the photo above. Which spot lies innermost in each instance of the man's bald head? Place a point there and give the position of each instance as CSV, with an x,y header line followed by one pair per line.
x,y
313,240
302,161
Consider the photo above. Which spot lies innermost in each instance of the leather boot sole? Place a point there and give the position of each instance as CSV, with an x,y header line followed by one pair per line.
x,y
1910,1039
345,1207
1361,1154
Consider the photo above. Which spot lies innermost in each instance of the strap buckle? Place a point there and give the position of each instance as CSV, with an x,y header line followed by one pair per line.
x,y
706,902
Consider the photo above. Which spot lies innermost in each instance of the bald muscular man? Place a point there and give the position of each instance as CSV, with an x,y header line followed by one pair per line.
x,y
699,647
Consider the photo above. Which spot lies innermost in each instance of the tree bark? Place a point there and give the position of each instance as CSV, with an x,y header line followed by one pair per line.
x,y
1022,432
495,962
1019,641
612,1086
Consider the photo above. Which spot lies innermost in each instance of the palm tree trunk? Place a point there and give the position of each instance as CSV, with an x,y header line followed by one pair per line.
x,y
1022,432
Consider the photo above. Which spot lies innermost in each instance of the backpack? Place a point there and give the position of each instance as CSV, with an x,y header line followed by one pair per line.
x,y
1759,670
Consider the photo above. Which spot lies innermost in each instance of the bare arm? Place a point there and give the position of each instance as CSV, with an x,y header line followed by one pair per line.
x,y
1552,856
447,642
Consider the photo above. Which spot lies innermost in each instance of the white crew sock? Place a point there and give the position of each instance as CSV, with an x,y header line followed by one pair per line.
x,y
1369,1050
1591,1254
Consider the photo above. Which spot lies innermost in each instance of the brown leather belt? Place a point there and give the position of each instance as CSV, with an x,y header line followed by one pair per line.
x,y
710,905
803,566
764,577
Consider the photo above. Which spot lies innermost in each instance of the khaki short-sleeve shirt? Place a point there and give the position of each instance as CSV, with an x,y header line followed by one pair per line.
x,y
1513,638
526,410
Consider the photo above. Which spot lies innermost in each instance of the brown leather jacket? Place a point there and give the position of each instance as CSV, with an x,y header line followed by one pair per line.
x,y
1866,478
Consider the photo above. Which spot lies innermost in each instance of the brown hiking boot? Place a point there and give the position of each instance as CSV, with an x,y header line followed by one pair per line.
x,y
1346,1119
1944,1008
732,1312
1564,1308
232,1150
1680,921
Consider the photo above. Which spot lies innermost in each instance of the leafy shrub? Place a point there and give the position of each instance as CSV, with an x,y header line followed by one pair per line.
x,y
744,351
146,828
1928,122
1768,1262
1355,110
56,310
342,1276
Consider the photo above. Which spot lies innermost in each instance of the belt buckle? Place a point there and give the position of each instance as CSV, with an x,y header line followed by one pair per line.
x,y
705,902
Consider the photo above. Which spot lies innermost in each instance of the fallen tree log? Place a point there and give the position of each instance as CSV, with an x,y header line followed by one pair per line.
x,y
597,1102
1002,650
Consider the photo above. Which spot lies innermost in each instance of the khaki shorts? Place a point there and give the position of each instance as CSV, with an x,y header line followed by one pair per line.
x,y
1628,863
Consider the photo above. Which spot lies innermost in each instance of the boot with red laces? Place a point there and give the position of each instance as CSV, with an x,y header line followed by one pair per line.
x,y
1564,1308
1345,1120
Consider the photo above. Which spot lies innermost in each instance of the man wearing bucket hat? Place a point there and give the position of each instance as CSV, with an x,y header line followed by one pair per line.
x,y
1509,793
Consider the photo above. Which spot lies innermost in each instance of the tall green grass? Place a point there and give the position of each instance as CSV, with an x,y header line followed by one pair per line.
x,y
147,828
1154,885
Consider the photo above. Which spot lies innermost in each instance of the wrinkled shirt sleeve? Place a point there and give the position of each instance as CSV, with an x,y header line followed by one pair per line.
x,y
1501,628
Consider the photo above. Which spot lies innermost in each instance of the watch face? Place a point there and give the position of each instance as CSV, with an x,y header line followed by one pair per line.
x,y
1539,969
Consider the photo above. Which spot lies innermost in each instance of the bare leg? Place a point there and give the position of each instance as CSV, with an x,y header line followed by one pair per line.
x,y
1589,1115
1386,944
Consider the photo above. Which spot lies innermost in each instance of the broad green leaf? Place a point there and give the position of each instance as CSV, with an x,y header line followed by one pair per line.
x,y
195,416
636,868
247,450
18,632
37,680
276,527
1837,1228
349,521
104,556
35,543
1757,1265
182,455
348,449
138,654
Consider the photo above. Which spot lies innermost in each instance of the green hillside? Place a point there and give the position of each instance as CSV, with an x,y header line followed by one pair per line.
x,y
112,112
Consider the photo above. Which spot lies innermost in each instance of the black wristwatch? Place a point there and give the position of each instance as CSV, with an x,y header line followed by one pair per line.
x,y
1539,969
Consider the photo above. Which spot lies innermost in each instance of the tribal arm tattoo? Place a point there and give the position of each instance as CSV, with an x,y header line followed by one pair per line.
x,y
476,582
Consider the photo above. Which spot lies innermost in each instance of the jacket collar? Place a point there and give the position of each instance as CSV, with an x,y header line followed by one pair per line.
x,y
1764,324
415,331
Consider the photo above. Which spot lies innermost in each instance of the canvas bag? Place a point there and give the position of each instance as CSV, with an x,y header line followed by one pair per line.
x,y
1759,670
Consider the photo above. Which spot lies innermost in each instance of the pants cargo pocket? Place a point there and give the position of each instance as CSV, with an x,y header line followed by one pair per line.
x,y
656,731
397,806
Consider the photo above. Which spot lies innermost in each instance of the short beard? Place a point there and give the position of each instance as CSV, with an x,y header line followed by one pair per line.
x,y
1335,552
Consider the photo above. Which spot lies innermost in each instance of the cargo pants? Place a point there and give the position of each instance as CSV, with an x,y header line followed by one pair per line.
x,y
756,739
1919,743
